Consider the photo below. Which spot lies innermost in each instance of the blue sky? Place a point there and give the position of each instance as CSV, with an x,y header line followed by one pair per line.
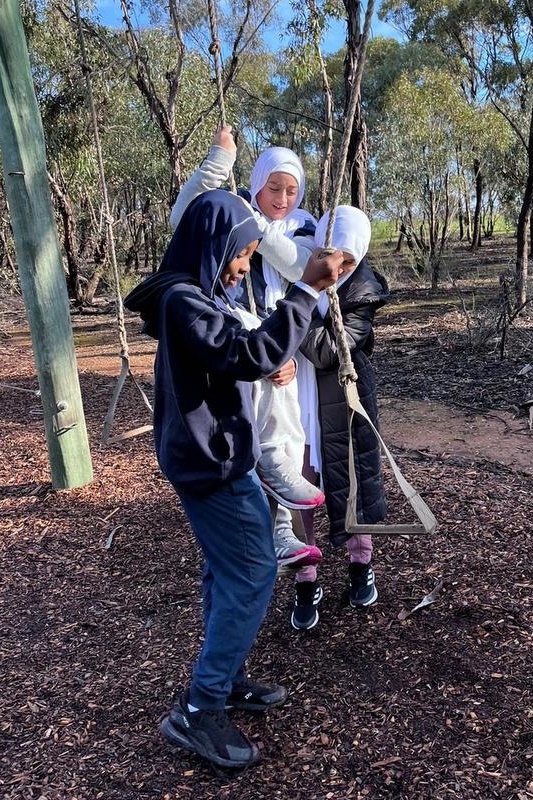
x,y
110,14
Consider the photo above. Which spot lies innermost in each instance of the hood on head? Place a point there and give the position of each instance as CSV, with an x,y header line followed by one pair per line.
x,y
276,159
214,228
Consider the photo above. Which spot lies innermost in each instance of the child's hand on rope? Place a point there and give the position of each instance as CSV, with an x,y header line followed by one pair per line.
x,y
323,268
224,138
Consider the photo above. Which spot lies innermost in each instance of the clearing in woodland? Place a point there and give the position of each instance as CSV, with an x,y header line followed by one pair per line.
x,y
99,617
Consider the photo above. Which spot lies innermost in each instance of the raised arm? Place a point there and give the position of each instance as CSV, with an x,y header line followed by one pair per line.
x,y
211,174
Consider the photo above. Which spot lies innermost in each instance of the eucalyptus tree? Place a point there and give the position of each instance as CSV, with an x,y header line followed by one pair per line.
x,y
494,39
59,90
176,83
424,119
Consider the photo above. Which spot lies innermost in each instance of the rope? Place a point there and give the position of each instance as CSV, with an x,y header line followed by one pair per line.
x,y
34,392
347,373
108,219
214,49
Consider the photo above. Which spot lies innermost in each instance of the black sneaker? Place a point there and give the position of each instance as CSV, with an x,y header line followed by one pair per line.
x,y
209,734
304,612
252,696
363,590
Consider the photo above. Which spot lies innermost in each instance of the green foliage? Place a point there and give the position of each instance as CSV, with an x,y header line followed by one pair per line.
x,y
426,106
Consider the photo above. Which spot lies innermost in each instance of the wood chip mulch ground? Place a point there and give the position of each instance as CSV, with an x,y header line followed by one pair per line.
x,y
100,619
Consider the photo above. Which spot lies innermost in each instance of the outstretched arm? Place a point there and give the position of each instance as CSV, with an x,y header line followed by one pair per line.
x,y
211,174
220,342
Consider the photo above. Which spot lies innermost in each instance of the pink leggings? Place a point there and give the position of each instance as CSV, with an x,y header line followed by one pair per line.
x,y
359,546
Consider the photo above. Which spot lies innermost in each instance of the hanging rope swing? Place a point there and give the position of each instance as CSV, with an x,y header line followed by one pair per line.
x,y
125,371
347,373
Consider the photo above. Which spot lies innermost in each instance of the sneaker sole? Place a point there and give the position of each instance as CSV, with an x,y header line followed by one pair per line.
x,y
304,559
368,602
176,739
302,506
299,627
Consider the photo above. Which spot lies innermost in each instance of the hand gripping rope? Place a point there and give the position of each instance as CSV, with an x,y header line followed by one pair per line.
x,y
347,373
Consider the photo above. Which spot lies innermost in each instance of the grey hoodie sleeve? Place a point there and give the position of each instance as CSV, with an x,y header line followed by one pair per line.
x,y
288,256
211,174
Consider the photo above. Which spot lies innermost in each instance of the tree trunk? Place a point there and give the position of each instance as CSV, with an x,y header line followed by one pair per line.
x,y
476,232
460,219
522,229
5,252
70,239
99,258
357,150
39,258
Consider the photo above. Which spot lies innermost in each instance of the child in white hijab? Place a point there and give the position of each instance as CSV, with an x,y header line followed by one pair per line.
x,y
277,186
325,419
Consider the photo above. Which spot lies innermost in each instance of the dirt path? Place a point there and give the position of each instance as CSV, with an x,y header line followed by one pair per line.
x,y
437,429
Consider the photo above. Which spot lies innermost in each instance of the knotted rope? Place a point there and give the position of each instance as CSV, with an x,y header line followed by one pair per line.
x,y
347,372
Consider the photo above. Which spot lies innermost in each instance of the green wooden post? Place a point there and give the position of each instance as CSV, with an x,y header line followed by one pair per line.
x,y
39,257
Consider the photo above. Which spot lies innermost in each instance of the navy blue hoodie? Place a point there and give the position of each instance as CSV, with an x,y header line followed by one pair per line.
x,y
204,427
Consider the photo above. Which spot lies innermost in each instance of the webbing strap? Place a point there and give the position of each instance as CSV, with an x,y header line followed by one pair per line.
x,y
422,511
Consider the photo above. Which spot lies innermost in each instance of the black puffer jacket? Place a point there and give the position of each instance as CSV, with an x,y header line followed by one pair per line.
x,y
359,298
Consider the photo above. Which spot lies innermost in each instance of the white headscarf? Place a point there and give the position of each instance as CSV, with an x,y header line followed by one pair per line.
x,y
276,159
351,234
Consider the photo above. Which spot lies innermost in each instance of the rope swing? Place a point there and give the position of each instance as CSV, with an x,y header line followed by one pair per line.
x,y
108,219
347,373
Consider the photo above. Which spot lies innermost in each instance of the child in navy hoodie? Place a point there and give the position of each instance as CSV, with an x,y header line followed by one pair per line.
x,y
207,445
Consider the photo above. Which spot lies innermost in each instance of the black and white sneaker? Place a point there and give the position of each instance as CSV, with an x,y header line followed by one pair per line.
x,y
304,612
363,590
209,734
252,696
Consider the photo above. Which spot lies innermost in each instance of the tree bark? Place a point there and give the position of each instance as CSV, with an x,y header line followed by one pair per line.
x,y
476,231
70,239
357,150
522,228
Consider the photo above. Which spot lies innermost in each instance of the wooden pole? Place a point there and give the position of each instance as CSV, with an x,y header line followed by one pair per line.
x,y
39,257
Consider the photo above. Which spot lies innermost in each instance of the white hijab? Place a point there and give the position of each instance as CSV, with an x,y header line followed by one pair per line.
x,y
351,234
278,159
